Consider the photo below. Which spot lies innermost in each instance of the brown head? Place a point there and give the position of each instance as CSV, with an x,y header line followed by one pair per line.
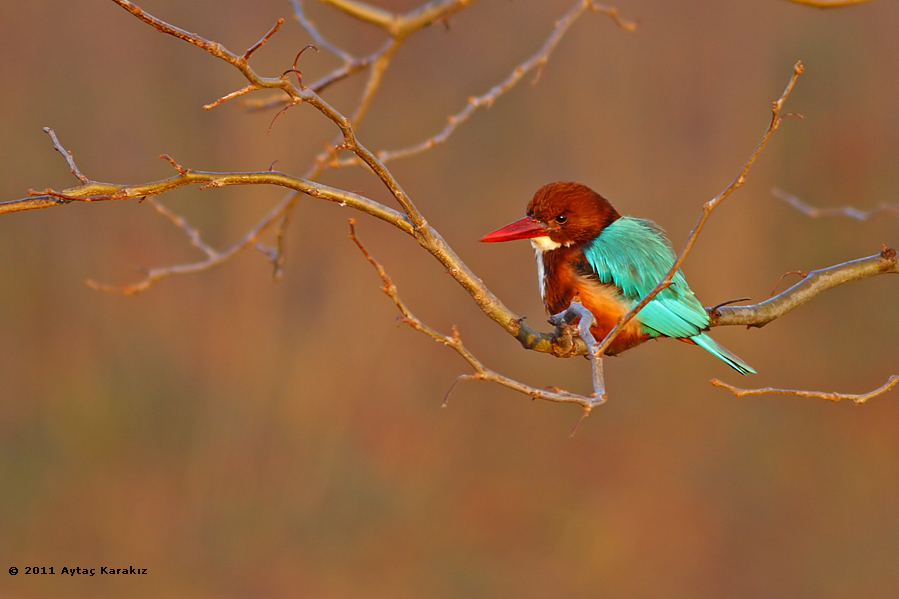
x,y
564,212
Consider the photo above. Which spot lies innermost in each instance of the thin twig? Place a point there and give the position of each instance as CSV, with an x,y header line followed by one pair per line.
x,y
707,208
227,97
67,155
110,192
486,100
300,15
850,211
858,399
192,233
213,257
261,42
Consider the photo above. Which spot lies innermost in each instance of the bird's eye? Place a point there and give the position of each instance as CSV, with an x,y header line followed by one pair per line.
x,y
561,218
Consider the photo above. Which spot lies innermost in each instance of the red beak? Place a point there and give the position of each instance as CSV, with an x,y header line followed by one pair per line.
x,y
525,228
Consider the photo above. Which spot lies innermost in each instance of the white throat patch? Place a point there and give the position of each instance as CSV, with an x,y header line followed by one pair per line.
x,y
544,244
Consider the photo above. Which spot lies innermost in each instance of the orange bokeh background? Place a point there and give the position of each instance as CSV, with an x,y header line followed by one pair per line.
x,y
238,437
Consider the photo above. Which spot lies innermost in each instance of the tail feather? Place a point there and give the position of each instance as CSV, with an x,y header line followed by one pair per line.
x,y
719,351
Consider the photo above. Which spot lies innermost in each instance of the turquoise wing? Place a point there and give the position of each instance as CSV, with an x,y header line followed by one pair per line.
x,y
633,254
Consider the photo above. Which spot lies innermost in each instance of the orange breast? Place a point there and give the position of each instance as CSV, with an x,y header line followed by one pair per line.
x,y
562,283
606,306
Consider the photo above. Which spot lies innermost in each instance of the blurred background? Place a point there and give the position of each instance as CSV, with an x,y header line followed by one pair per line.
x,y
241,437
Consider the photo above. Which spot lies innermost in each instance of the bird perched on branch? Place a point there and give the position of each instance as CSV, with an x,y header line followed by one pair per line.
x,y
585,248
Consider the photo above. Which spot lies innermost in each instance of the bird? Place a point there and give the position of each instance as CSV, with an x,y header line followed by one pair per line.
x,y
586,249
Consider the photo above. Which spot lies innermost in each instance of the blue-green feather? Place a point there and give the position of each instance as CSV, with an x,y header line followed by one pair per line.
x,y
634,255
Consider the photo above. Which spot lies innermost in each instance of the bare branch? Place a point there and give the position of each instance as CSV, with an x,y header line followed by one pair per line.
x,y
213,257
815,282
192,38
261,42
398,26
482,373
66,154
486,100
234,94
849,211
378,67
96,192
320,41
858,399
193,234
111,192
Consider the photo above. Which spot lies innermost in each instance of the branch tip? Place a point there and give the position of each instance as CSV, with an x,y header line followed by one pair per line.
x,y
264,39
181,170
70,160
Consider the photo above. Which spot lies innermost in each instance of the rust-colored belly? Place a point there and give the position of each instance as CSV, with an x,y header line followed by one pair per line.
x,y
603,301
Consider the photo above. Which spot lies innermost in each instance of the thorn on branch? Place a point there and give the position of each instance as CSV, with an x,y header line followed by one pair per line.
x,y
67,155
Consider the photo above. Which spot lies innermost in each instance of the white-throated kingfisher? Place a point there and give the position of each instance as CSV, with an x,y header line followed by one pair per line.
x,y
610,262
